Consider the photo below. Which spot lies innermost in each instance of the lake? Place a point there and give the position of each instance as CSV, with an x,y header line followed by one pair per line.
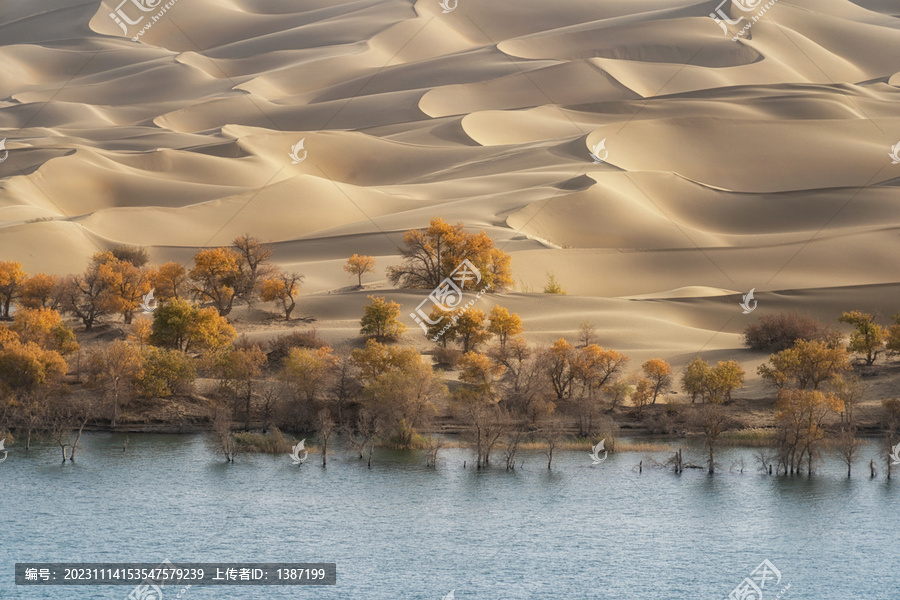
x,y
404,531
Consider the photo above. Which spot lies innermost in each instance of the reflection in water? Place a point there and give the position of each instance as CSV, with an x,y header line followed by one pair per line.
x,y
404,531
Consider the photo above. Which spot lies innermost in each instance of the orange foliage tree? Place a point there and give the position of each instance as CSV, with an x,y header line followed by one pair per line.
x,y
430,255
12,278
359,265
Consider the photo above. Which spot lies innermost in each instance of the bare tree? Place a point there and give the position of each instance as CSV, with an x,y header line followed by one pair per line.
x,y
587,334
29,413
434,445
325,426
848,445
369,427
891,424
222,436
59,426
764,458
711,421
345,387
514,439
269,400
552,432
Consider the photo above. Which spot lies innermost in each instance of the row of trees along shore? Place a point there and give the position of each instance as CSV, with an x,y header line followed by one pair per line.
x,y
509,395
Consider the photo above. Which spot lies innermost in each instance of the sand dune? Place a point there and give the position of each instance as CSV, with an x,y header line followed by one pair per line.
x,y
761,163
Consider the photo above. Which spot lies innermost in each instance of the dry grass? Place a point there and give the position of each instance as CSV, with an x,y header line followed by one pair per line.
x,y
752,437
264,443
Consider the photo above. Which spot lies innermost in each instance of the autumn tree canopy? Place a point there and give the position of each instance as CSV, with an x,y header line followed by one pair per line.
x,y
430,255
381,320
359,265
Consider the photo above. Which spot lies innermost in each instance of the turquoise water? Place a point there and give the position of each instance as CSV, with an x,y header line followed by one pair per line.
x,y
403,531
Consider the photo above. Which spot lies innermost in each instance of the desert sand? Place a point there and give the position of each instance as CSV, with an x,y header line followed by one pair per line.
x,y
728,165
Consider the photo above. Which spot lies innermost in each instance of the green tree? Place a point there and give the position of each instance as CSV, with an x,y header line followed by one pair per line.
x,y
867,338
553,286
183,326
712,384
381,320
307,372
165,372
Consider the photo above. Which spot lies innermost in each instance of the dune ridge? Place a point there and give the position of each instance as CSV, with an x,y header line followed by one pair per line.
x,y
761,163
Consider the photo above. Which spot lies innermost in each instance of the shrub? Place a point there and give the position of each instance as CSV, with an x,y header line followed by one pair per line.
x,y
447,358
283,344
774,333
166,372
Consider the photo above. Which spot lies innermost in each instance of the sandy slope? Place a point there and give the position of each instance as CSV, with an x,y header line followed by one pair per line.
x,y
731,165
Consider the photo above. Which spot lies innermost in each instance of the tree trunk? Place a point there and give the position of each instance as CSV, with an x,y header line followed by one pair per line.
x,y
115,415
324,451
77,439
